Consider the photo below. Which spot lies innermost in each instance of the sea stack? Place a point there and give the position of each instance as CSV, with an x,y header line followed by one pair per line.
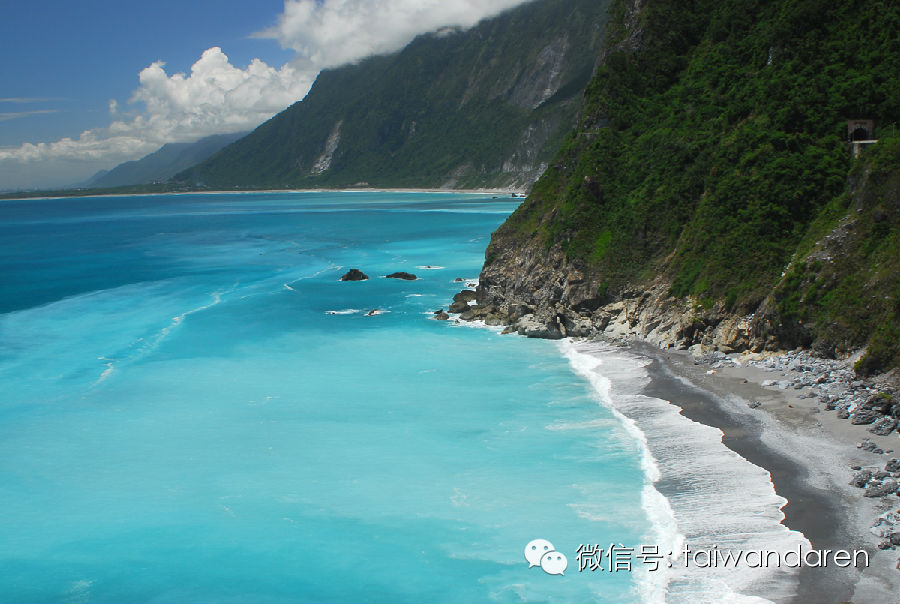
x,y
354,274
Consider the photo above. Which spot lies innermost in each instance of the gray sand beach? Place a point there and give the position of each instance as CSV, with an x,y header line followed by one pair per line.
x,y
808,452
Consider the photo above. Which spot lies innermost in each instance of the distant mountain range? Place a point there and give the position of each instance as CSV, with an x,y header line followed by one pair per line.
x,y
488,106
163,164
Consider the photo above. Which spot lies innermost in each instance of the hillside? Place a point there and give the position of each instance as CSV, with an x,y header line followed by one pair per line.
x,y
709,196
488,106
163,164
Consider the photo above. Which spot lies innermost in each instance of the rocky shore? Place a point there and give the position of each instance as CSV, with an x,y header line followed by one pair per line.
x,y
809,404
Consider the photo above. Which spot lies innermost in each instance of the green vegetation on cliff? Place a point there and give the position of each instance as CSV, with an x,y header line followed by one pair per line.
x,y
712,150
484,107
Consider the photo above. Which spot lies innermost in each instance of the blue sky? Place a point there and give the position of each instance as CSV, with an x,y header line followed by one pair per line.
x,y
88,84
81,53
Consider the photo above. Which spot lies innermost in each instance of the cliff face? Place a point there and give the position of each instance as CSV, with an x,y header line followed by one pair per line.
x,y
708,196
484,107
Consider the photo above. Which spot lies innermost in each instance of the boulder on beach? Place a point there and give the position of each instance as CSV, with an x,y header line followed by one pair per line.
x,y
882,490
402,275
354,274
883,426
861,478
862,417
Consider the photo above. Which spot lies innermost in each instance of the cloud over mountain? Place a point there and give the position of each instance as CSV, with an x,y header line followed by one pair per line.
x,y
334,32
217,97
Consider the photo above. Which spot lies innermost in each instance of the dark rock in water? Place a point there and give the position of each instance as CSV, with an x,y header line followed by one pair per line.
x,y
466,295
883,426
440,315
754,404
856,467
862,417
861,478
892,466
459,306
402,275
509,329
469,315
842,413
354,274
881,490
884,544
373,312
881,475
459,279
878,451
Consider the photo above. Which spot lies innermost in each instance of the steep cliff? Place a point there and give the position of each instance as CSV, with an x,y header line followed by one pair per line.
x,y
484,107
709,196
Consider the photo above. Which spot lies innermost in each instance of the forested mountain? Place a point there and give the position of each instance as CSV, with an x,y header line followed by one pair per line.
x,y
709,194
488,106
163,164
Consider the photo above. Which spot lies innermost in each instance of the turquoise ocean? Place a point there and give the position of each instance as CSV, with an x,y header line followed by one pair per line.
x,y
194,408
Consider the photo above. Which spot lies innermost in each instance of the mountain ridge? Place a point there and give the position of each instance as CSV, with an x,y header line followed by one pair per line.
x,y
709,160
484,107
162,164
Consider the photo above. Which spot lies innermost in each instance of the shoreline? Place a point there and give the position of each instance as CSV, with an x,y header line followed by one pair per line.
x,y
505,192
785,437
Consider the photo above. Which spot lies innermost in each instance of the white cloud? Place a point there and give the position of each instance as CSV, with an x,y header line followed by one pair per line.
x,y
328,33
214,98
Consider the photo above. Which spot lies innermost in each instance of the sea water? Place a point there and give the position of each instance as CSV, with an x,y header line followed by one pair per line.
x,y
194,408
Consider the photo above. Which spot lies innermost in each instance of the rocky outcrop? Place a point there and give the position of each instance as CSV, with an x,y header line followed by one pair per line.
x,y
543,292
354,274
459,306
402,275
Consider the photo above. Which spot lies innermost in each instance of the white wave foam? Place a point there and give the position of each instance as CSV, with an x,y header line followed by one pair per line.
x,y
289,288
716,498
110,367
429,267
346,311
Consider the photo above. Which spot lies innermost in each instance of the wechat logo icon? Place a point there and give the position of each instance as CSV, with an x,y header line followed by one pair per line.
x,y
541,552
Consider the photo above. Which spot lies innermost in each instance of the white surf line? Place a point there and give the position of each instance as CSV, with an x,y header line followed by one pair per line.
x,y
162,334
717,499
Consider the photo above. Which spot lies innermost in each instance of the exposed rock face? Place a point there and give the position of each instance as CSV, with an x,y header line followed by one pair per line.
x,y
440,315
466,295
323,163
402,275
459,306
354,274
563,297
